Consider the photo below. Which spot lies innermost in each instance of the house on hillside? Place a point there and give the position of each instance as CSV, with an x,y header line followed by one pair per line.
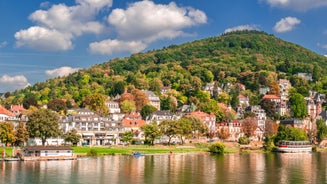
x,y
243,101
233,130
260,115
284,86
212,88
17,110
154,99
113,106
207,119
306,76
133,121
160,116
6,115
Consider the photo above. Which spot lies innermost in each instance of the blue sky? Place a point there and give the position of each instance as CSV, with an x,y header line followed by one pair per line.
x,y
45,39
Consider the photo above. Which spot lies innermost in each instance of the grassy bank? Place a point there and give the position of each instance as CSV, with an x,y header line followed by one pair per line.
x,y
158,149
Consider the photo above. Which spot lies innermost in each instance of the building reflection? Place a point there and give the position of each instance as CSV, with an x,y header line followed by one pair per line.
x,y
176,168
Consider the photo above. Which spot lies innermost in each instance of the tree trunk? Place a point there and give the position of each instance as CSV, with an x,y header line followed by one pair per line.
x,y
43,141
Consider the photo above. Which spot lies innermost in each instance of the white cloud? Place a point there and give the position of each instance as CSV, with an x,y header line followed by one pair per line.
x,y
108,47
242,28
9,83
299,5
286,24
62,20
3,44
62,71
40,38
148,21
145,22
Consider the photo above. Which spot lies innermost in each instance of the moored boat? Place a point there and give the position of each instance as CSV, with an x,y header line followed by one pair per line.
x,y
294,146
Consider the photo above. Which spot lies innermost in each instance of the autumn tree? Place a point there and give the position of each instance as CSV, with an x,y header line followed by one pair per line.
x,y
151,132
249,126
96,103
141,99
72,136
269,107
224,133
7,133
30,101
21,134
43,124
271,128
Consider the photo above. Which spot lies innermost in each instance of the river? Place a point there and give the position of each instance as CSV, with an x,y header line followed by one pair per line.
x,y
170,169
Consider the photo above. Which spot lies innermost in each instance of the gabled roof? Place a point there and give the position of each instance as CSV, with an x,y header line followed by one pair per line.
x,y
5,111
17,108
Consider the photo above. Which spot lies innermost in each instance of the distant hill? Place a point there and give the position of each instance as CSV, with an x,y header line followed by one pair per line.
x,y
253,58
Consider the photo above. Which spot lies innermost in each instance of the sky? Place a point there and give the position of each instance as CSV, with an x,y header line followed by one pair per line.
x,y
46,39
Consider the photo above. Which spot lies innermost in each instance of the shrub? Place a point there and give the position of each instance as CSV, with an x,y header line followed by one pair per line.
x,y
244,140
218,148
92,153
269,143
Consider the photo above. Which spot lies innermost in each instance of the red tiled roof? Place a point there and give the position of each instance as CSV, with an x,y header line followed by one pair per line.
x,y
5,111
16,108
133,123
133,115
270,97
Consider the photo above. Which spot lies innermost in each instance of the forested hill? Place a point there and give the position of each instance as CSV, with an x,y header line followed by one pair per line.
x,y
253,58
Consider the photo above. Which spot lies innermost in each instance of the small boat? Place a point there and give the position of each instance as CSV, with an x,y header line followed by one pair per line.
x,y
294,146
137,154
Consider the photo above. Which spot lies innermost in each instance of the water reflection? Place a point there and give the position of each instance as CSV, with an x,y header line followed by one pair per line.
x,y
177,168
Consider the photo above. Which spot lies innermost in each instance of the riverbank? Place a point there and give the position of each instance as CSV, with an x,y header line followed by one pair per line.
x,y
144,149
81,151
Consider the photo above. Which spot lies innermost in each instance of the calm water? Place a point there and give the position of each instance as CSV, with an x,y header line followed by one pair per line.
x,y
188,168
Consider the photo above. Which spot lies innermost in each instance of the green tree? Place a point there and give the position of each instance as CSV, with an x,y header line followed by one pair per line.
x,y
185,126
212,107
7,133
147,110
170,128
118,88
151,131
298,105
43,124
290,134
127,136
321,130
72,136
57,105
21,134
127,106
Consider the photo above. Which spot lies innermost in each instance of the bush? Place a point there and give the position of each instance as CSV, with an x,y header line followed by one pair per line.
x,y
218,148
92,153
244,140
269,143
